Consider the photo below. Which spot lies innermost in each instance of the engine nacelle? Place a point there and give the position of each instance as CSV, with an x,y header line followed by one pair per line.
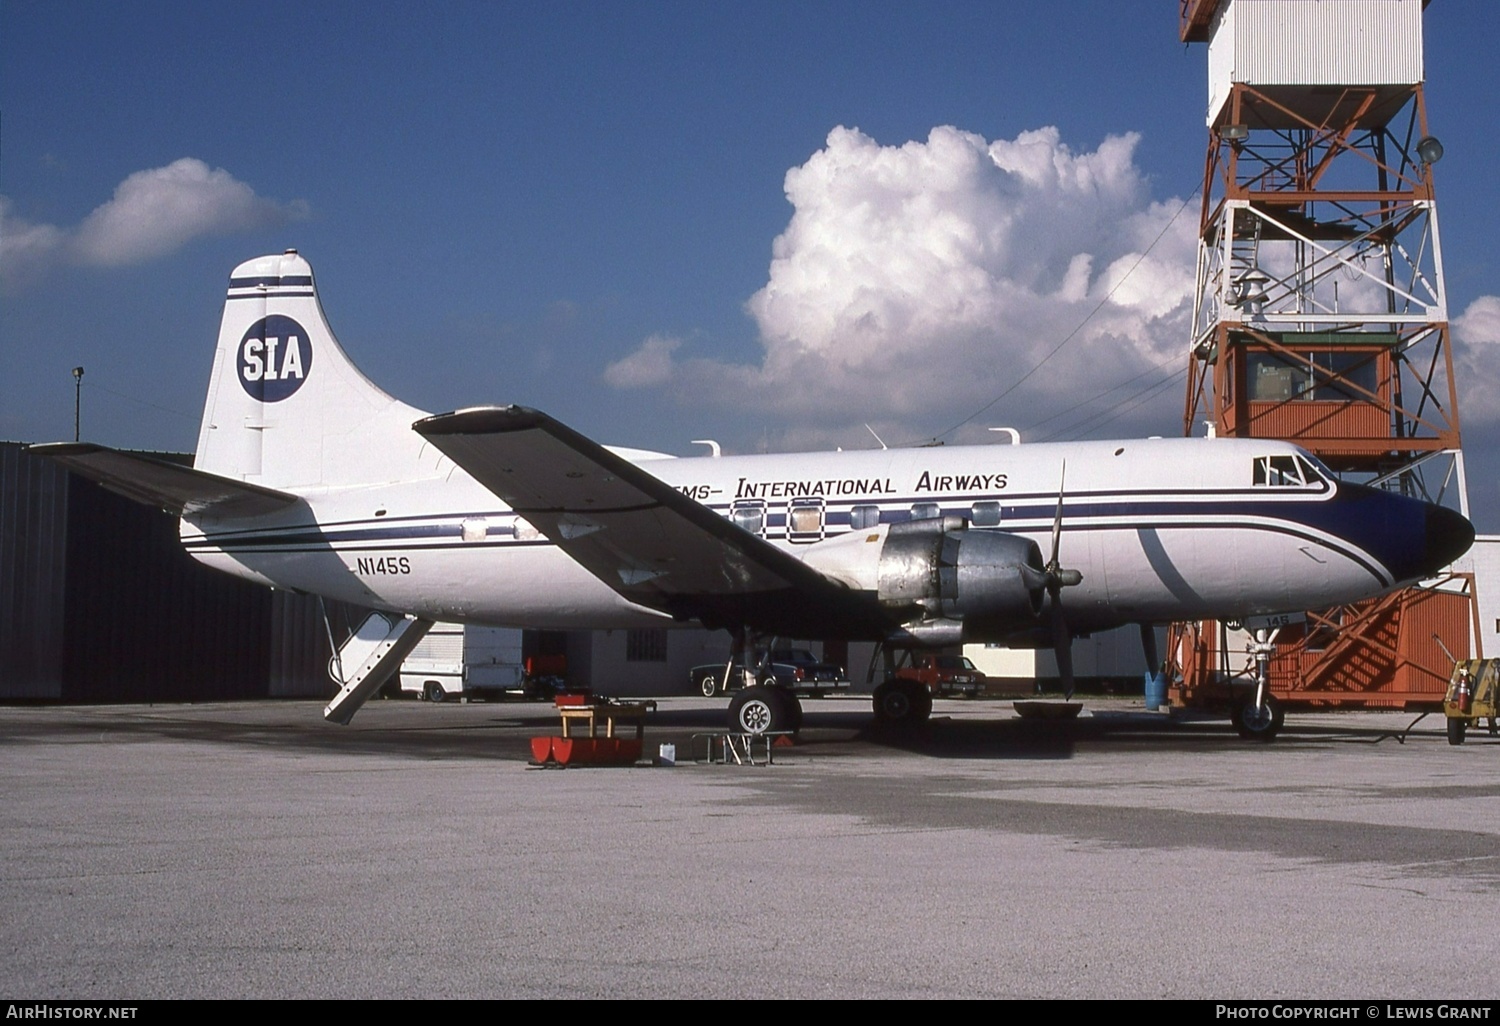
x,y
934,576
943,573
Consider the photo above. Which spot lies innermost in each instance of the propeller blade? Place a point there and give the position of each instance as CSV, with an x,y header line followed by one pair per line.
x,y
1062,647
1148,647
1057,580
1062,478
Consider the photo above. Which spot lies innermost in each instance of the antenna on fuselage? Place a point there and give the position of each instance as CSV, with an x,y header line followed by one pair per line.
x,y
877,437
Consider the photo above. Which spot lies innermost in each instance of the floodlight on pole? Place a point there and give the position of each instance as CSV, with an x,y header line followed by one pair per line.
x,y
77,398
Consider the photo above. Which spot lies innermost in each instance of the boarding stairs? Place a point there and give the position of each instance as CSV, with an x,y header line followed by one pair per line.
x,y
368,657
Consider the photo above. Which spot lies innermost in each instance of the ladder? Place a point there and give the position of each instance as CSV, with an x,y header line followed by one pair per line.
x,y
370,655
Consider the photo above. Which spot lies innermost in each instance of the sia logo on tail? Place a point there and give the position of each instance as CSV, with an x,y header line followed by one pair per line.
x,y
275,357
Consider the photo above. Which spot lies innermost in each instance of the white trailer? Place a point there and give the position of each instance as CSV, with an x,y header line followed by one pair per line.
x,y
455,661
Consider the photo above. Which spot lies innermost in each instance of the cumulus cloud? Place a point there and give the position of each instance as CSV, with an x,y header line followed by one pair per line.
x,y
1476,358
918,280
651,364
26,250
152,213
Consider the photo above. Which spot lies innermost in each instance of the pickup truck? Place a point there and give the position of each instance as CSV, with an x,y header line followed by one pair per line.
x,y
944,675
793,668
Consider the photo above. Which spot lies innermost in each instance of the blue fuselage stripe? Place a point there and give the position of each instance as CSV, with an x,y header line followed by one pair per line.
x,y
1331,521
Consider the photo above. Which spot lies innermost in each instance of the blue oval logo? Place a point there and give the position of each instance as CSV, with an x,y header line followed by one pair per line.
x,y
275,358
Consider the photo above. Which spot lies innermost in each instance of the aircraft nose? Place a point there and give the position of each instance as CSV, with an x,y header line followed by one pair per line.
x,y
1449,536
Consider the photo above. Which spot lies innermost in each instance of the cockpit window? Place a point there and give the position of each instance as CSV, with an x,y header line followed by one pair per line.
x,y
1286,471
1277,472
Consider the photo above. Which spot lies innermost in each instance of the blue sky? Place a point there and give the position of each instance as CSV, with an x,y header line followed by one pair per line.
x,y
576,206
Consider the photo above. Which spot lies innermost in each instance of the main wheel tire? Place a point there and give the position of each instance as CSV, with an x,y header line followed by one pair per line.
x,y
793,712
709,685
759,710
1257,724
902,703
1457,728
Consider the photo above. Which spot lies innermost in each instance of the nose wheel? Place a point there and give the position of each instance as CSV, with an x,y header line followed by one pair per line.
x,y
1258,722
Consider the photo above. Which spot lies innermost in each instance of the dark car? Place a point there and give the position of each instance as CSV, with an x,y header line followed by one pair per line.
x,y
794,668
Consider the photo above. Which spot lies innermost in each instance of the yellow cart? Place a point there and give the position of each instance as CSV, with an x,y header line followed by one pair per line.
x,y
1473,693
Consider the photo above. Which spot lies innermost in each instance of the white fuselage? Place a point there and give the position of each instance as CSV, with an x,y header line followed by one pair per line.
x,y
1161,529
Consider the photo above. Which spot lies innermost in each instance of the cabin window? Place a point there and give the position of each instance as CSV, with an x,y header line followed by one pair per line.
x,y
524,530
805,520
864,517
750,516
925,511
984,514
475,529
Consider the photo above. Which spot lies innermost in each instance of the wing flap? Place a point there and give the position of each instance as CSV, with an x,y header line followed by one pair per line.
x,y
640,536
158,482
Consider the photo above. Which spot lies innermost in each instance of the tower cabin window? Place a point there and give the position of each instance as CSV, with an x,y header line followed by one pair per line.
x,y
1340,375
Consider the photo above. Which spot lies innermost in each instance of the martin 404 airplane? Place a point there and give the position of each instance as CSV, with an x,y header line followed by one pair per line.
x,y
309,477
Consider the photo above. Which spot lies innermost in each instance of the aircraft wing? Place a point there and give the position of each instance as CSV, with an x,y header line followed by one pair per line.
x,y
640,536
157,482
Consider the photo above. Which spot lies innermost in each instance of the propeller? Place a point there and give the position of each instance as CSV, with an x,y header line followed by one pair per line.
x,y
1057,578
1148,648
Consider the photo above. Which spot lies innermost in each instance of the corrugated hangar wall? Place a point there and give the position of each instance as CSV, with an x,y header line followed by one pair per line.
x,y
33,510
99,603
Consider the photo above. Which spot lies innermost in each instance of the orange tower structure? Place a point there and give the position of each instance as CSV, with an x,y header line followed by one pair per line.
x,y
1320,317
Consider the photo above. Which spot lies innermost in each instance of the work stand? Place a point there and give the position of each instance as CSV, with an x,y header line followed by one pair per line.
x,y
737,749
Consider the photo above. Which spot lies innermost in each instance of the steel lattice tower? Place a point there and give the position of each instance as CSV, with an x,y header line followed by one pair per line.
x,y
1320,315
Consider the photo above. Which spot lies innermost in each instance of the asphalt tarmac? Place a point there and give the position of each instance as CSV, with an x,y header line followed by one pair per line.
x,y
253,850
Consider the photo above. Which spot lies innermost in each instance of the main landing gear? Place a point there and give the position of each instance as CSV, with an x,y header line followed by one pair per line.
x,y
765,709
902,703
760,708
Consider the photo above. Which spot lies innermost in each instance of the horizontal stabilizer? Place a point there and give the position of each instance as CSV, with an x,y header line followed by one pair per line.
x,y
158,482
639,535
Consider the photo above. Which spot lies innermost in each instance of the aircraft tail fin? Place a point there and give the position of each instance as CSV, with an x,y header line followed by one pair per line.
x,y
286,407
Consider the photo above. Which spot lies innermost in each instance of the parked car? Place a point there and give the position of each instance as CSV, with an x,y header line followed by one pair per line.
x,y
944,675
793,668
